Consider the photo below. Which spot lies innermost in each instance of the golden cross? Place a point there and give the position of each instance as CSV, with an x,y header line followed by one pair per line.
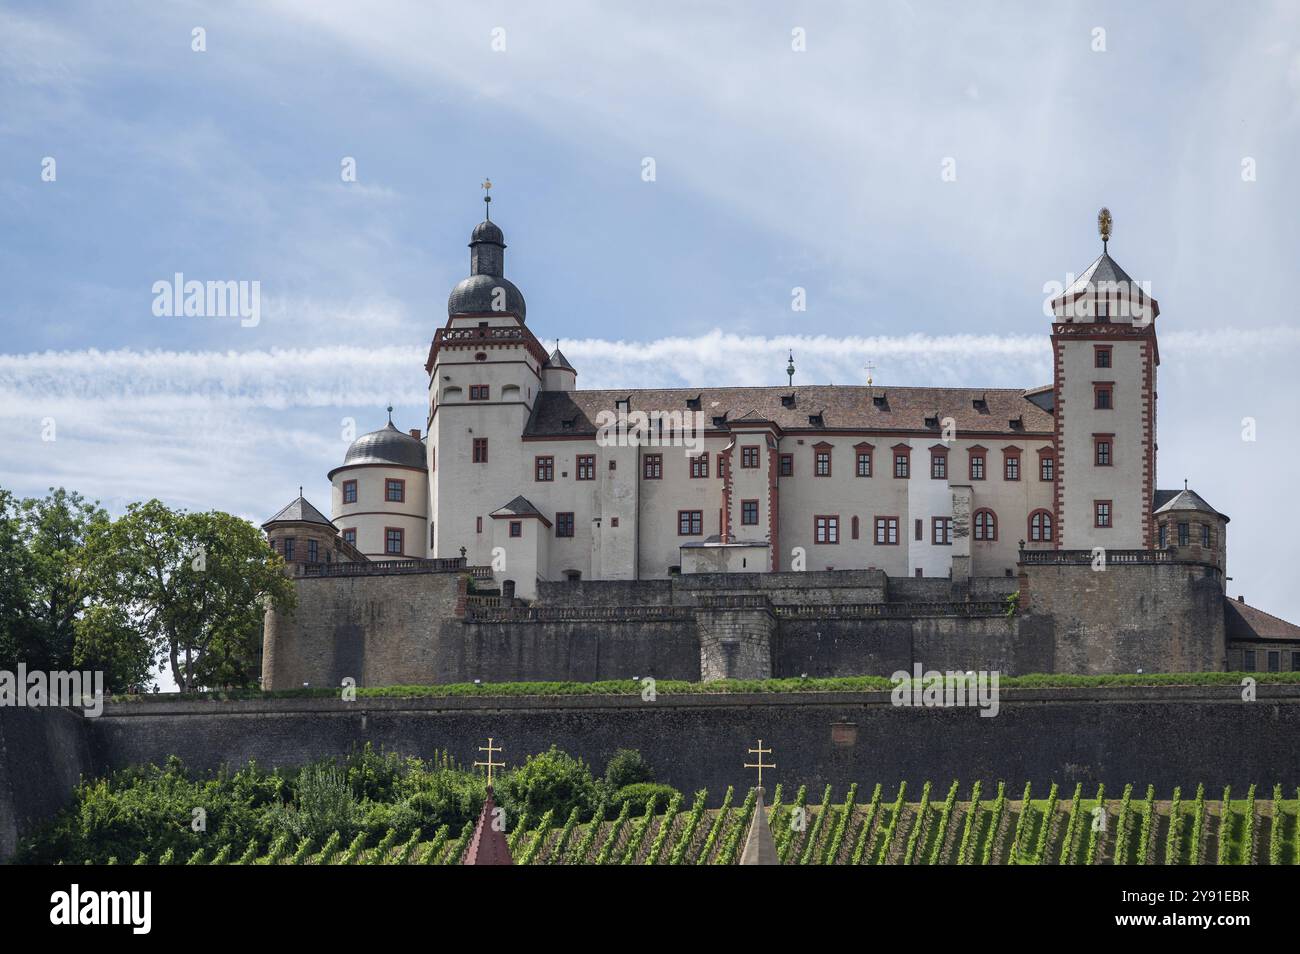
x,y
490,749
870,367
760,764
487,184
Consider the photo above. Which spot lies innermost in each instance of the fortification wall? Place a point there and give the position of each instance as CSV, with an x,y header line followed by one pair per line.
x,y
1166,736
1144,617
43,753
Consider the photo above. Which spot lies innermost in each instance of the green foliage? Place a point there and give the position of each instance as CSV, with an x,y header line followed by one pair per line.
x,y
627,767
918,825
864,833
678,855
1248,829
641,794
1275,828
1198,826
607,849
566,833
665,829
841,826
550,782
1123,826
1097,828
719,820
538,838
995,822
887,836
583,848
637,838
964,847
945,816
740,825
1225,824
1071,828
1175,828
323,803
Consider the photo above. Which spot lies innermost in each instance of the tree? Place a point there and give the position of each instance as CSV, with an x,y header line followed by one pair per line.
x,y
16,624
194,585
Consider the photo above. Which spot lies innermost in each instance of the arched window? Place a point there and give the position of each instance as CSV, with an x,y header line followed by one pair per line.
x,y
986,525
1040,526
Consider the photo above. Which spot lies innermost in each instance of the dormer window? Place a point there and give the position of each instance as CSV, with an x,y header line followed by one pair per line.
x,y
879,401
981,405
932,421
815,420
720,421
693,404
787,400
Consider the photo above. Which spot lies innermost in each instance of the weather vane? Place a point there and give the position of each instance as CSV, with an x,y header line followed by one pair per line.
x,y
487,197
490,749
1103,226
760,764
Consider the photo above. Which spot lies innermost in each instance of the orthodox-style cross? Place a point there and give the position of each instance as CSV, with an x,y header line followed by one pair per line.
x,y
760,764
490,749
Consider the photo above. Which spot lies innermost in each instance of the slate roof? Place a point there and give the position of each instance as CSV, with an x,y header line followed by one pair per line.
x,y
1104,269
387,445
300,511
1168,501
1243,621
839,407
558,361
519,507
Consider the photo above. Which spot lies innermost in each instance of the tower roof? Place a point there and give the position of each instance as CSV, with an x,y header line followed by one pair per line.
x,y
1169,501
488,845
486,290
558,362
387,445
300,511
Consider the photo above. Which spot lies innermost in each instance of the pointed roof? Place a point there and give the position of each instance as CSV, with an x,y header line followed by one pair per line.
x,y
760,849
1168,501
488,844
558,362
300,511
519,507
1105,272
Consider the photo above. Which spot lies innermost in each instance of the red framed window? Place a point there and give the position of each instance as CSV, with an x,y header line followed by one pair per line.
x,y
822,459
564,524
349,491
938,465
586,469
350,536
700,467
887,531
749,455
394,539
722,465
902,461
749,513
544,469
1101,447
941,531
978,458
480,450
394,490
1011,463
516,528
690,523
1101,356
652,466
1046,467
1101,513
986,525
786,467
863,468
479,392
1040,526
1103,395
826,528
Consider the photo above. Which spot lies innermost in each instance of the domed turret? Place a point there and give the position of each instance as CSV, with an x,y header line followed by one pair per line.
x,y
380,494
486,290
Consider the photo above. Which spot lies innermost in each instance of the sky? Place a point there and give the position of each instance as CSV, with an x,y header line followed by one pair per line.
x,y
923,171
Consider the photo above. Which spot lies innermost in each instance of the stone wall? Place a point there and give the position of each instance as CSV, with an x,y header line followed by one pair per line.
x,y
1164,736
43,753
1143,617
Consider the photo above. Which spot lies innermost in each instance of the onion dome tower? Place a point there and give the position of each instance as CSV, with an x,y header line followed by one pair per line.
x,y
486,291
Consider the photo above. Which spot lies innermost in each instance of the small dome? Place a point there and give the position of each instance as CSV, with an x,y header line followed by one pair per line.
x,y
387,445
487,231
475,296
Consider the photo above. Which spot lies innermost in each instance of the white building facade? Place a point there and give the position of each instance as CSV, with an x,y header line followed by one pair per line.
x,y
522,471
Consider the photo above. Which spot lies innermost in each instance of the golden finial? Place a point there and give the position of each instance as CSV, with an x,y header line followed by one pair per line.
x,y
870,368
760,764
1103,226
490,749
487,197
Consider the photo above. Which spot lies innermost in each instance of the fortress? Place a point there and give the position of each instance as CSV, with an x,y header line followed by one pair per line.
x,y
537,531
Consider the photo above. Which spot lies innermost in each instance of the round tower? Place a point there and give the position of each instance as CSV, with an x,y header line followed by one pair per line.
x,y
380,494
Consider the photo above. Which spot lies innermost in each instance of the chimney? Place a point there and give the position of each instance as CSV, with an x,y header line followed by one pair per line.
x,y
415,432
1241,599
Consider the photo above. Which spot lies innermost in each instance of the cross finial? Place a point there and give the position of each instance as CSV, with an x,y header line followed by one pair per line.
x,y
487,198
760,764
1104,224
869,368
490,749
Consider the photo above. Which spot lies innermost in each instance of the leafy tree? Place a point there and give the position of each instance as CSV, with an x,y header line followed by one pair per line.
x,y
194,586
552,781
16,623
627,767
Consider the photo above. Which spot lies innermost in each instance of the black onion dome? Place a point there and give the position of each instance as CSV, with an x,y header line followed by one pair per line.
x,y
387,445
477,294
